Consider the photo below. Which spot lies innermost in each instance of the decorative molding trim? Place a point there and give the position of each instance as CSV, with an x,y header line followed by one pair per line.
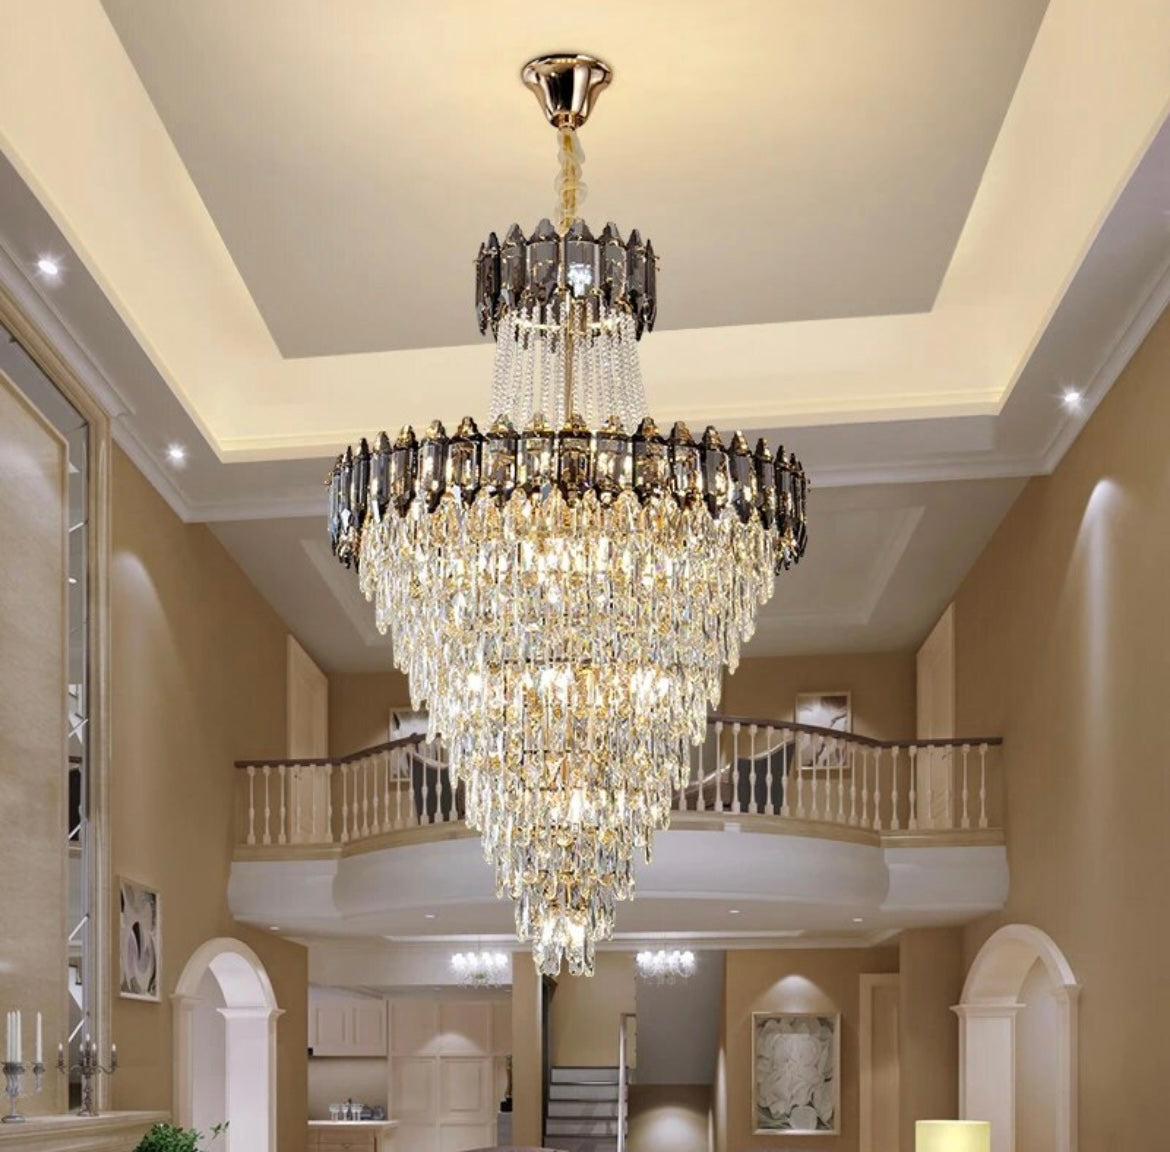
x,y
1126,343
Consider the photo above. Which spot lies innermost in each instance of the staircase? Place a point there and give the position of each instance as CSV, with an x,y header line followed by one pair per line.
x,y
582,1110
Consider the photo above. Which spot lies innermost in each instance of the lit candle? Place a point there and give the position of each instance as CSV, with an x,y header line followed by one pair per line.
x,y
40,1040
8,1038
19,1041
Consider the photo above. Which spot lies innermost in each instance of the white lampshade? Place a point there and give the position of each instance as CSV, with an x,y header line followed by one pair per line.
x,y
952,1136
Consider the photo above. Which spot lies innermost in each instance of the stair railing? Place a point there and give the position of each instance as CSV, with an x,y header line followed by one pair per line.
x,y
623,1078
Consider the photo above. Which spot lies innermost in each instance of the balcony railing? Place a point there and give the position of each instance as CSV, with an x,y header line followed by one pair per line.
x,y
747,770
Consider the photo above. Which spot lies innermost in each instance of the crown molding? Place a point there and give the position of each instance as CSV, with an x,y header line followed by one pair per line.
x,y
1128,340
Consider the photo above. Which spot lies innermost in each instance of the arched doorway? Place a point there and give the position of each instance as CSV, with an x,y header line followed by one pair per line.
x,y
1018,1042
225,1046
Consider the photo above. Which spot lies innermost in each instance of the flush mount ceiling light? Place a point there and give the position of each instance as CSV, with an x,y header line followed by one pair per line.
x,y
564,589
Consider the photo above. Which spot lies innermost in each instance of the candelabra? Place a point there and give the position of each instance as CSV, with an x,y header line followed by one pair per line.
x,y
14,1071
90,1068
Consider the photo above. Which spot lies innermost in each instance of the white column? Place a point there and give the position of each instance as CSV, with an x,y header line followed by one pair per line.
x,y
251,1079
987,1068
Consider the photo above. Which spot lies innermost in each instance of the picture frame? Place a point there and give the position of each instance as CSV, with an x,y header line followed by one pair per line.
x,y
139,941
832,710
796,1074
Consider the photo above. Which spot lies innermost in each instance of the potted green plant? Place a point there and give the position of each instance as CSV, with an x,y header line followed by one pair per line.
x,y
168,1138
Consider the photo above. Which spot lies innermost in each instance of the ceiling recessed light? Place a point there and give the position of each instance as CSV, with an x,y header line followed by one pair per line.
x,y
430,915
273,927
858,919
732,911
48,266
1072,399
176,454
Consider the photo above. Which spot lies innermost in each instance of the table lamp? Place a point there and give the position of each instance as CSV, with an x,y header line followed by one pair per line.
x,y
952,1136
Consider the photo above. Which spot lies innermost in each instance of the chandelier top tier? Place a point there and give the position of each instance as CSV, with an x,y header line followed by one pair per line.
x,y
565,587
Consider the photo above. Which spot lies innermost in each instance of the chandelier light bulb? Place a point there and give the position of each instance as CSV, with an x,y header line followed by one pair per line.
x,y
565,588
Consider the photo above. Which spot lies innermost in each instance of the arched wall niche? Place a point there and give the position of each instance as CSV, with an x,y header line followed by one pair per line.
x,y
248,1064
991,1001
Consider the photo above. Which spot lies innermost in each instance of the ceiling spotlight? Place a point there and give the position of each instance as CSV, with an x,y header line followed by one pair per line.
x,y
732,911
858,919
48,266
429,915
1072,399
176,454
273,927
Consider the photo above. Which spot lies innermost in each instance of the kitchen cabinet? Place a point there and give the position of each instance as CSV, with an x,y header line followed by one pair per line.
x,y
347,1027
351,1135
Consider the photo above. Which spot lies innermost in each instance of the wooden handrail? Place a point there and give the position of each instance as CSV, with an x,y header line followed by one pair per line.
x,y
852,737
716,718
321,761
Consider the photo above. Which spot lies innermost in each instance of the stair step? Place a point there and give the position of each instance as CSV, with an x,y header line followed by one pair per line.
x,y
564,1074
583,1092
570,1126
580,1108
585,1144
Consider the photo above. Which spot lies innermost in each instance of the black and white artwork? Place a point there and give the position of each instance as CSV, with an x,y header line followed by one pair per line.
x,y
139,941
796,1083
832,710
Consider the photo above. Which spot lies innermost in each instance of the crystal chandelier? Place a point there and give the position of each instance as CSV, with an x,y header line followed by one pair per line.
x,y
665,967
564,589
480,969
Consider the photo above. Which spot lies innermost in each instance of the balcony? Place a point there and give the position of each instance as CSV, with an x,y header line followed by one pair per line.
x,y
782,829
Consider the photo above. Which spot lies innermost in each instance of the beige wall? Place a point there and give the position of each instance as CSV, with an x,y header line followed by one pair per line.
x,y
33,627
197,680
359,708
930,966
587,1011
670,1117
882,687
793,980
527,1052
1064,646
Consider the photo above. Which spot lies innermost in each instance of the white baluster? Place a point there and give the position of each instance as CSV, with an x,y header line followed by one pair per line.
x,y
385,791
701,799
877,789
281,838
345,803
736,806
865,787
251,803
396,754
425,817
982,785
329,803
928,755
267,806
313,806
753,800
800,737
913,822
815,812
948,785
718,766
895,820
966,822
295,777
679,804
786,771
840,758
769,775
853,784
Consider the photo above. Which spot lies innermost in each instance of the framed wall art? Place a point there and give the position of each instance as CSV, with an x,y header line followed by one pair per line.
x,y
139,941
832,710
796,1074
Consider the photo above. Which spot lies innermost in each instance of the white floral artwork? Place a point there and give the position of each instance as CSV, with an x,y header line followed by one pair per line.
x,y
140,941
795,1069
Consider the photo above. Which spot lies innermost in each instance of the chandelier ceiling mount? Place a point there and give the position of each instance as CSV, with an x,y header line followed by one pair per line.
x,y
566,86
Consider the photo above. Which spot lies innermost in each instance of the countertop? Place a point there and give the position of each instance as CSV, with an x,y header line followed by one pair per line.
x,y
378,1125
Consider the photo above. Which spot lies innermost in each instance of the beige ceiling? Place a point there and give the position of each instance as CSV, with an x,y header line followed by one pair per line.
x,y
854,144
792,161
